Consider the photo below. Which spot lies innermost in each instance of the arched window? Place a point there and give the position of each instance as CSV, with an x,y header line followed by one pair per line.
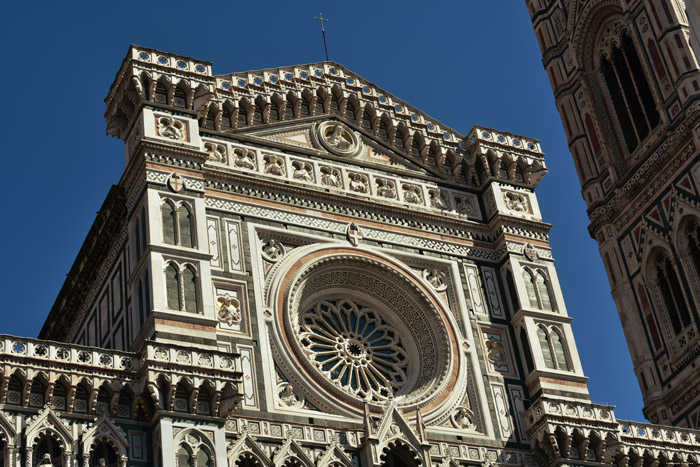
x,y
366,121
167,212
80,405
160,95
318,107
36,394
558,350
670,290
399,455
289,111
102,405
242,118
304,109
14,391
334,103
530,288
350,111
179,99
210,122
184,234
537,287
181,403
177,220
226,118
415,147
398,140
48,451
543,337
257,115
59,397
184,458
629,92
189,287
181,288
194,453
274,115
553,353
527,355
103,455
543,290
172,275
382,130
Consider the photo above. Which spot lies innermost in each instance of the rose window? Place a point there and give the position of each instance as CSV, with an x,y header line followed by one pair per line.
x,y
355,348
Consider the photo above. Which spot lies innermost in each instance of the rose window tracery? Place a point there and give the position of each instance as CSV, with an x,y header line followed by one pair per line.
x,y
353,346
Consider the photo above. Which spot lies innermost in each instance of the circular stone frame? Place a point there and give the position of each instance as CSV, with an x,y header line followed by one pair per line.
x,y
337,138
314,274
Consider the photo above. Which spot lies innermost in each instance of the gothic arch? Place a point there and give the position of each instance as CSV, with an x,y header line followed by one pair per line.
x,y
104,431
49,428
668,298
398,453
687,240
194,442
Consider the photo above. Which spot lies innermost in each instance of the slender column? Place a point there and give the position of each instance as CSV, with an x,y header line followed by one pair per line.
x,y
636,89
28,460
624,98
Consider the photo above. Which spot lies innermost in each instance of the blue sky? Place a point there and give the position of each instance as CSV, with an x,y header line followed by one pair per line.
x,y
461,62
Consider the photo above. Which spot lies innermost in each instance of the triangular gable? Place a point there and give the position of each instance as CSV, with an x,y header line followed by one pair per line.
x,y
7,431
334,454
304,136
104,428
246,444
47,420
393,418
288,449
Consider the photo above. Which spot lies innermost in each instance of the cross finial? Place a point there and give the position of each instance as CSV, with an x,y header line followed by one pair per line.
x,y
323,31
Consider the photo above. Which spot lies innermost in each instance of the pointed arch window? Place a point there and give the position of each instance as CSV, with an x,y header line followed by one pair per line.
x,y
179,99
670,289
350,112
366,121
160,95
226,118
552,346
274,115
178,223
629,92
304,110
334,104
538,291
288,111
210,122
181,288
104,455
242,118
257,115
398,140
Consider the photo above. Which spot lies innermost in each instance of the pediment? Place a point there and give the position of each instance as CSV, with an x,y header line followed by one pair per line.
x,y
308,136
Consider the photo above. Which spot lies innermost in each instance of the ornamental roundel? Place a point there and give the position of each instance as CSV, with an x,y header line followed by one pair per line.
x,y
338,139
353,327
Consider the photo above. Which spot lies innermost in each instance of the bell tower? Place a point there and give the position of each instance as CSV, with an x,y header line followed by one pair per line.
x,y
626,82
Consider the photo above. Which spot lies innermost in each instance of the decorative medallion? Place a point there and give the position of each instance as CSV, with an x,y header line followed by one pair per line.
x,y
436,278
530,252
171,128
354,234
176,183
288,397
338,139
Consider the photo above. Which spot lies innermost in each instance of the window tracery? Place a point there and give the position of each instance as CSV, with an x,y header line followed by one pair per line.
x,y
181,287
177,223
538,290
354,347
627,86
552,347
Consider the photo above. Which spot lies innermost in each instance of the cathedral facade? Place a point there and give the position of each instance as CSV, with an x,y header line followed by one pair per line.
x,y
626,80
297,268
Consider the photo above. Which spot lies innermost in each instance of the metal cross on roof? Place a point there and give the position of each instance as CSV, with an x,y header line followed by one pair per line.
x,y
323,31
